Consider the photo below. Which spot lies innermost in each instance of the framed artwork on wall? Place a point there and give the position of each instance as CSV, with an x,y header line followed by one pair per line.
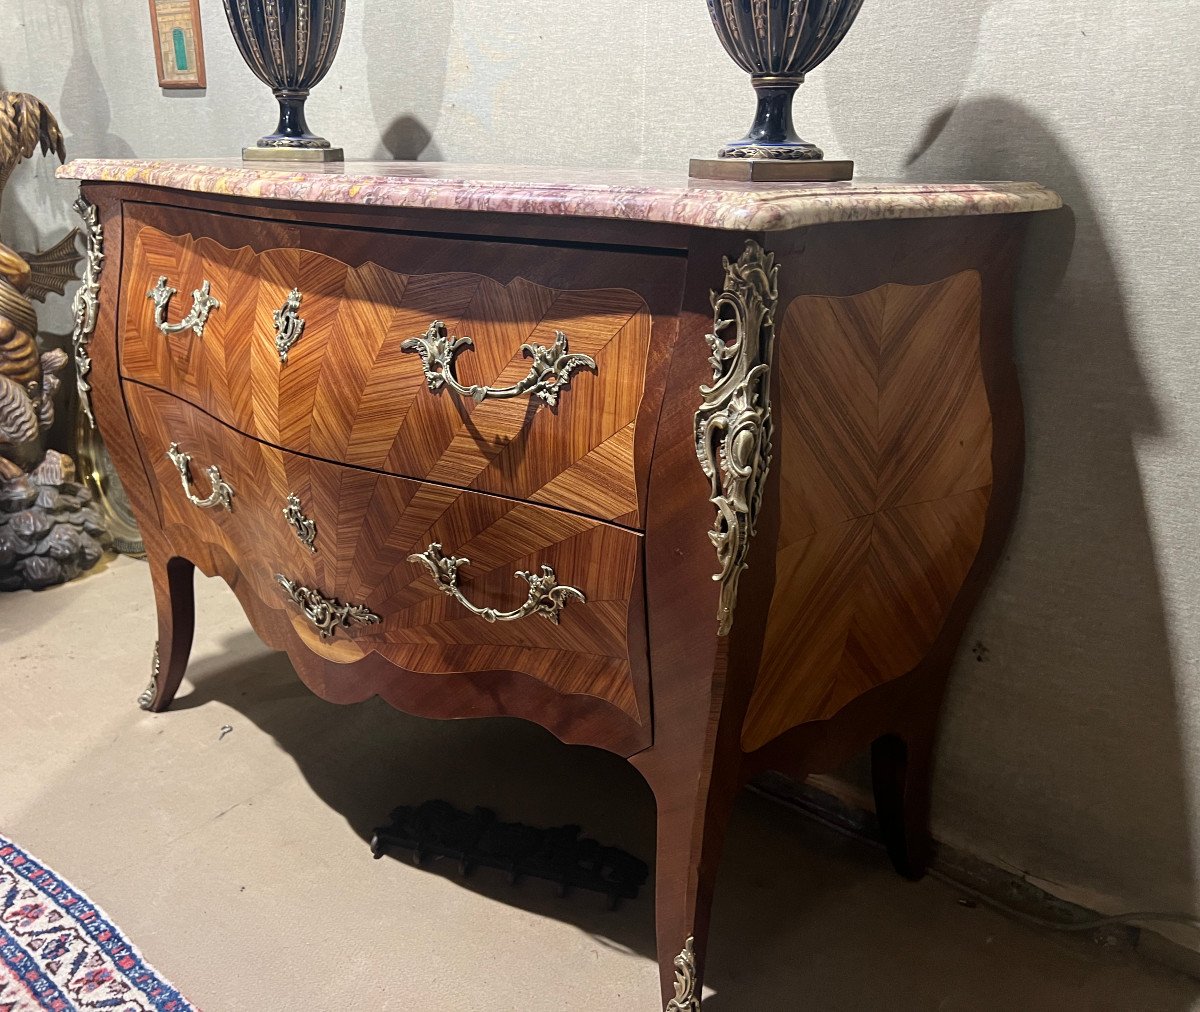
x,y
178,43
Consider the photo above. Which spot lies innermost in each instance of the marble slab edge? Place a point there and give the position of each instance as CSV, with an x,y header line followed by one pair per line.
x,y
655,197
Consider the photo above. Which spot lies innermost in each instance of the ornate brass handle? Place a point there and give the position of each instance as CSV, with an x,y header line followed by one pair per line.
x,y
546,596
202,304
328,614
220,495
550,372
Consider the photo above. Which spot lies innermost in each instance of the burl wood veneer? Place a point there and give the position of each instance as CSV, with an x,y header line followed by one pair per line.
x,y
730,465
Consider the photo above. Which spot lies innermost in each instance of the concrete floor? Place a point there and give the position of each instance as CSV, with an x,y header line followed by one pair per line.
x,y
239,866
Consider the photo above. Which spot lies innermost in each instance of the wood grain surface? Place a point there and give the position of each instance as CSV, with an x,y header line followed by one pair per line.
x,y
348,393
368,524
885,442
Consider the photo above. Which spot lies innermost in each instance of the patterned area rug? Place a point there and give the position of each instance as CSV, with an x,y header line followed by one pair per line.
x,y
59,951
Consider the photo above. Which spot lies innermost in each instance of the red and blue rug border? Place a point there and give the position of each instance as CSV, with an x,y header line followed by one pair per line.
x,y
95,923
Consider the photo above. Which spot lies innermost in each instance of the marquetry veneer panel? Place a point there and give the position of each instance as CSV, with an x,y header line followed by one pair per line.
x,y
348,393
367,526
885,442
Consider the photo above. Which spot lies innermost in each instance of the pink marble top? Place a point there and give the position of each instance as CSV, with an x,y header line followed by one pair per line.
x,y
631,194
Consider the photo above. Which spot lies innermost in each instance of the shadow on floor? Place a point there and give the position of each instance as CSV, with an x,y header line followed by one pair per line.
x,y
366,759
802,914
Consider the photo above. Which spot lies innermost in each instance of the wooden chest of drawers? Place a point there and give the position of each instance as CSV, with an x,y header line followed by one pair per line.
x,y
710,478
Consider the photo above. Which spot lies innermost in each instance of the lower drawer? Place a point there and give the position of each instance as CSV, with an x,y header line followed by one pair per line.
x,y
431,579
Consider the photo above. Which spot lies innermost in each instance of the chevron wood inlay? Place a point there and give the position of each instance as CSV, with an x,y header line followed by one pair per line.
x,y
348,393
367,526
885,442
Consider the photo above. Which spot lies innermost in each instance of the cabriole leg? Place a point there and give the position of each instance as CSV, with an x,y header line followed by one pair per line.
x,y
175,600
901,773
691,833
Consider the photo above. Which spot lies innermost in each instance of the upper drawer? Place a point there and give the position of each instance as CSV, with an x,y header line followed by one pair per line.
x,y
552,399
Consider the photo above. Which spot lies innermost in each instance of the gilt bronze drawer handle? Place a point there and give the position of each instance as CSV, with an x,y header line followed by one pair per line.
x,y
546,597
220,495
328,614
202,304
289,324
550,372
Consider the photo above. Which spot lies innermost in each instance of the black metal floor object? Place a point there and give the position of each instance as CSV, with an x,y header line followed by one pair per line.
x,y
438,829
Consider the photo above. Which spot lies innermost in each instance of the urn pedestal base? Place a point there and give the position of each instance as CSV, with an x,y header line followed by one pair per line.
x,y
257,154
767,170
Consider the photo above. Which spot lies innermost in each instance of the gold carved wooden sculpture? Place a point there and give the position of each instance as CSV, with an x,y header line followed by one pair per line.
x,y
49,531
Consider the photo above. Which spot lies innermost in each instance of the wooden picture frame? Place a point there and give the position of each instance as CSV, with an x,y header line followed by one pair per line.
x,y
178,43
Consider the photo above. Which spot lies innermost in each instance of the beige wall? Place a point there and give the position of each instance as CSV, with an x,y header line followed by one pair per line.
x,y
1070,749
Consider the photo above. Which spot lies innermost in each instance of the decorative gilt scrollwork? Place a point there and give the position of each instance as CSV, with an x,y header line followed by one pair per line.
x,y
86,304
733,424
146,699
289,325
306,529
327,614
686,999
549,374
219,495
203,304
546,596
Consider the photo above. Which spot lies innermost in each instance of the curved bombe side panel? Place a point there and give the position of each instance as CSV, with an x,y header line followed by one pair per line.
x,y
885,454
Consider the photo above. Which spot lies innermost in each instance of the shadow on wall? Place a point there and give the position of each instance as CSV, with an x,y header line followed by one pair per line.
x,y
85,115
406,87
1102,755
1062,753
84,109
892,69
